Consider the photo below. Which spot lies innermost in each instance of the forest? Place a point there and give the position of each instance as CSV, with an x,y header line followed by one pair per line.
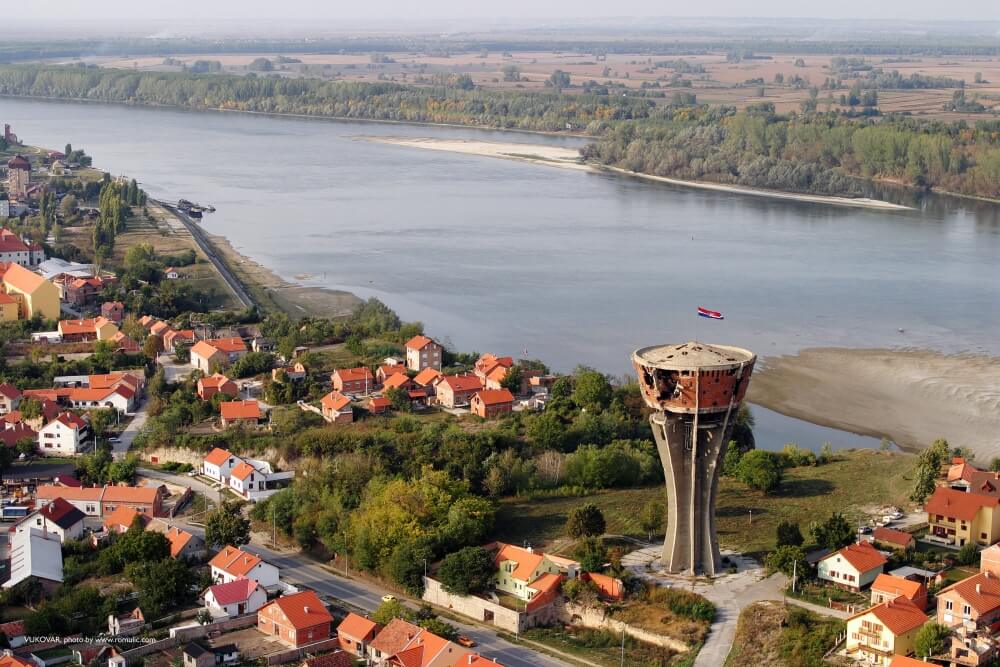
x,y
811,152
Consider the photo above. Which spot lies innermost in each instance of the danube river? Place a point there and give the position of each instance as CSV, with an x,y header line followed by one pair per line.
x,y
574,267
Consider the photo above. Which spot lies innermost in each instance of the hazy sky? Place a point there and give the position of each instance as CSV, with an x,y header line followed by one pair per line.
x,y
297,11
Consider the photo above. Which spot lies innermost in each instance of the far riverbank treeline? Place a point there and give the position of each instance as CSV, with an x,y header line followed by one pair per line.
x,y
816,153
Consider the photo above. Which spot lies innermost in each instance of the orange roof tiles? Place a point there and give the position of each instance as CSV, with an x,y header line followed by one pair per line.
x,y
357,627
907,661
395,637
463,382
242,470
379,403
862,556
359,374
71,420
217,456
527,561
240,410
495,396
13,661
303,610
22,279
216,380
80,327
392,369
427,376
234,562
338,658
888,583
228,344
335,401
883,534
958,504
123,516
898,616
82,493
178,540
418,342
396,381
983,600
139,495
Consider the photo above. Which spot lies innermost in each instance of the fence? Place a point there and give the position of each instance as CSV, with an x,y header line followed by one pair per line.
x,y
186,633
296,653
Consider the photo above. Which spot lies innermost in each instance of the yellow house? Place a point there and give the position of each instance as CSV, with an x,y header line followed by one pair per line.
x,y
33,293
876,635
959,517
8,308
522,572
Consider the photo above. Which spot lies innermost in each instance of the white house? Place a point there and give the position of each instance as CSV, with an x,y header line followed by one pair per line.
x,y
58,517
854,567
63,435
235,598
232,563
218,464
121,398
34,553
254,480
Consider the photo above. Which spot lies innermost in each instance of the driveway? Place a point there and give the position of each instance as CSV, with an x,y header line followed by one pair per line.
x,y
172,371
120,448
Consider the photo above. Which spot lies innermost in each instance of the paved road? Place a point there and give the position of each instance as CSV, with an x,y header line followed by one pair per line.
x,y
198,234
302,571
120,448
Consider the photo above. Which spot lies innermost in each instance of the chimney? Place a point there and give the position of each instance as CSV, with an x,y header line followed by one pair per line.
x,y
979,589
471,658
306,609
986,574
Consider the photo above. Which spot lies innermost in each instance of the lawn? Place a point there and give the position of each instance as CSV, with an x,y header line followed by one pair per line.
x,y
854,482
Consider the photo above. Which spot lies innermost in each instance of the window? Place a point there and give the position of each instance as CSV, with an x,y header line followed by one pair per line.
x,y
982,536
966,610
949,605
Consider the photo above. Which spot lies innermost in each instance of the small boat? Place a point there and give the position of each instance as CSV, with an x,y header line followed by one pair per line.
x,y
195,213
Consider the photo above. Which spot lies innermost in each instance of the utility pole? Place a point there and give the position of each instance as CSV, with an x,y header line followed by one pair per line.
x,y
623,646
795,571
751,517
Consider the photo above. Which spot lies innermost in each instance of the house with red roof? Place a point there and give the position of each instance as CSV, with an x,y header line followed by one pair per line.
x,y
14,433
296,620
113,311
337,408
13,661
428,650
399,381
455,391
218,464
423,352
877,634
217,383
532,576
889,587
897,540
98,328
183,545
10,398
213,354
959,517
64,435
246,413
255,480
84,291
854,567
293,373
353,380
232,563
15,634
122,518
490,403
393,638
178,339
378,405
427,379
235,598
58,517
385,371
356,633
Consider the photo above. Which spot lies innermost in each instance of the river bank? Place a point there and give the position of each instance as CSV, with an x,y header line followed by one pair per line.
x,y
909,396
555,156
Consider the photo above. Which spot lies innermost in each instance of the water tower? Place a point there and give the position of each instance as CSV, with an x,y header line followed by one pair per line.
x,y
695,390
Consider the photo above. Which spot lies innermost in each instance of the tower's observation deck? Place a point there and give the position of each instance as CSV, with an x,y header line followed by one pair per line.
x,y
695,390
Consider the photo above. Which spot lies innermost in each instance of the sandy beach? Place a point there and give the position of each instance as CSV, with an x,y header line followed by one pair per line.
x,y
568,158
909,396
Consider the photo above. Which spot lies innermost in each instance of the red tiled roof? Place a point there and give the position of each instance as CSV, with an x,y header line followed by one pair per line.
x,y
888,583
243,470
228,344
217,456
139,495
178,540
527,561
237,590
379,402
395,636
18,162
62,513
9,390
396,381
303,610
22,279
338,658
882,534
240,410
234,561
359,374
13,661
215,381
12,629
862,556
418,342
71,420
463,382
11,435
958,504
986,599
335,401
357,627
123,516
73,327
83,493
898,616
392,369
495,396
427,376
907,661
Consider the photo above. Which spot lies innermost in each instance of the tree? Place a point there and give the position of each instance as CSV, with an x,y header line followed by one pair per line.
x,y
833,533
789,534
760,470
407,564
227,526
930,640
511,73
929,464
968,554
151,346
399,398
787,559
591,389
161,584
651,518
592,554
468,570
67,207
585,521
388,610
512,380
995,464
31,408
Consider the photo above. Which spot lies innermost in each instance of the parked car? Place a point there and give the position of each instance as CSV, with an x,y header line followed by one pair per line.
x,y
388,598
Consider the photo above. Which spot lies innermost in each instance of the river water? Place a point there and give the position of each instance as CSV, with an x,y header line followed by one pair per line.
x,y
576,268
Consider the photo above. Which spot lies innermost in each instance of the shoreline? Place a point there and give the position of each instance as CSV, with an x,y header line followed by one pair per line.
x,y
556,156
911,396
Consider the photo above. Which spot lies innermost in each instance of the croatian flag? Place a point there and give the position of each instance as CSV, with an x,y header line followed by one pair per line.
x,y
710,314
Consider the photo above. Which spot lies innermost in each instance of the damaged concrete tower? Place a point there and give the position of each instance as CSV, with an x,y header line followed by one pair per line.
x,y
695,390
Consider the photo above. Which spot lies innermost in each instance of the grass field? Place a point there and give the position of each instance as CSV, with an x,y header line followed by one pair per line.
x,y
769,633
854,484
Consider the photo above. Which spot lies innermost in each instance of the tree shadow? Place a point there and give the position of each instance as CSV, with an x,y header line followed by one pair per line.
x,y
804,488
